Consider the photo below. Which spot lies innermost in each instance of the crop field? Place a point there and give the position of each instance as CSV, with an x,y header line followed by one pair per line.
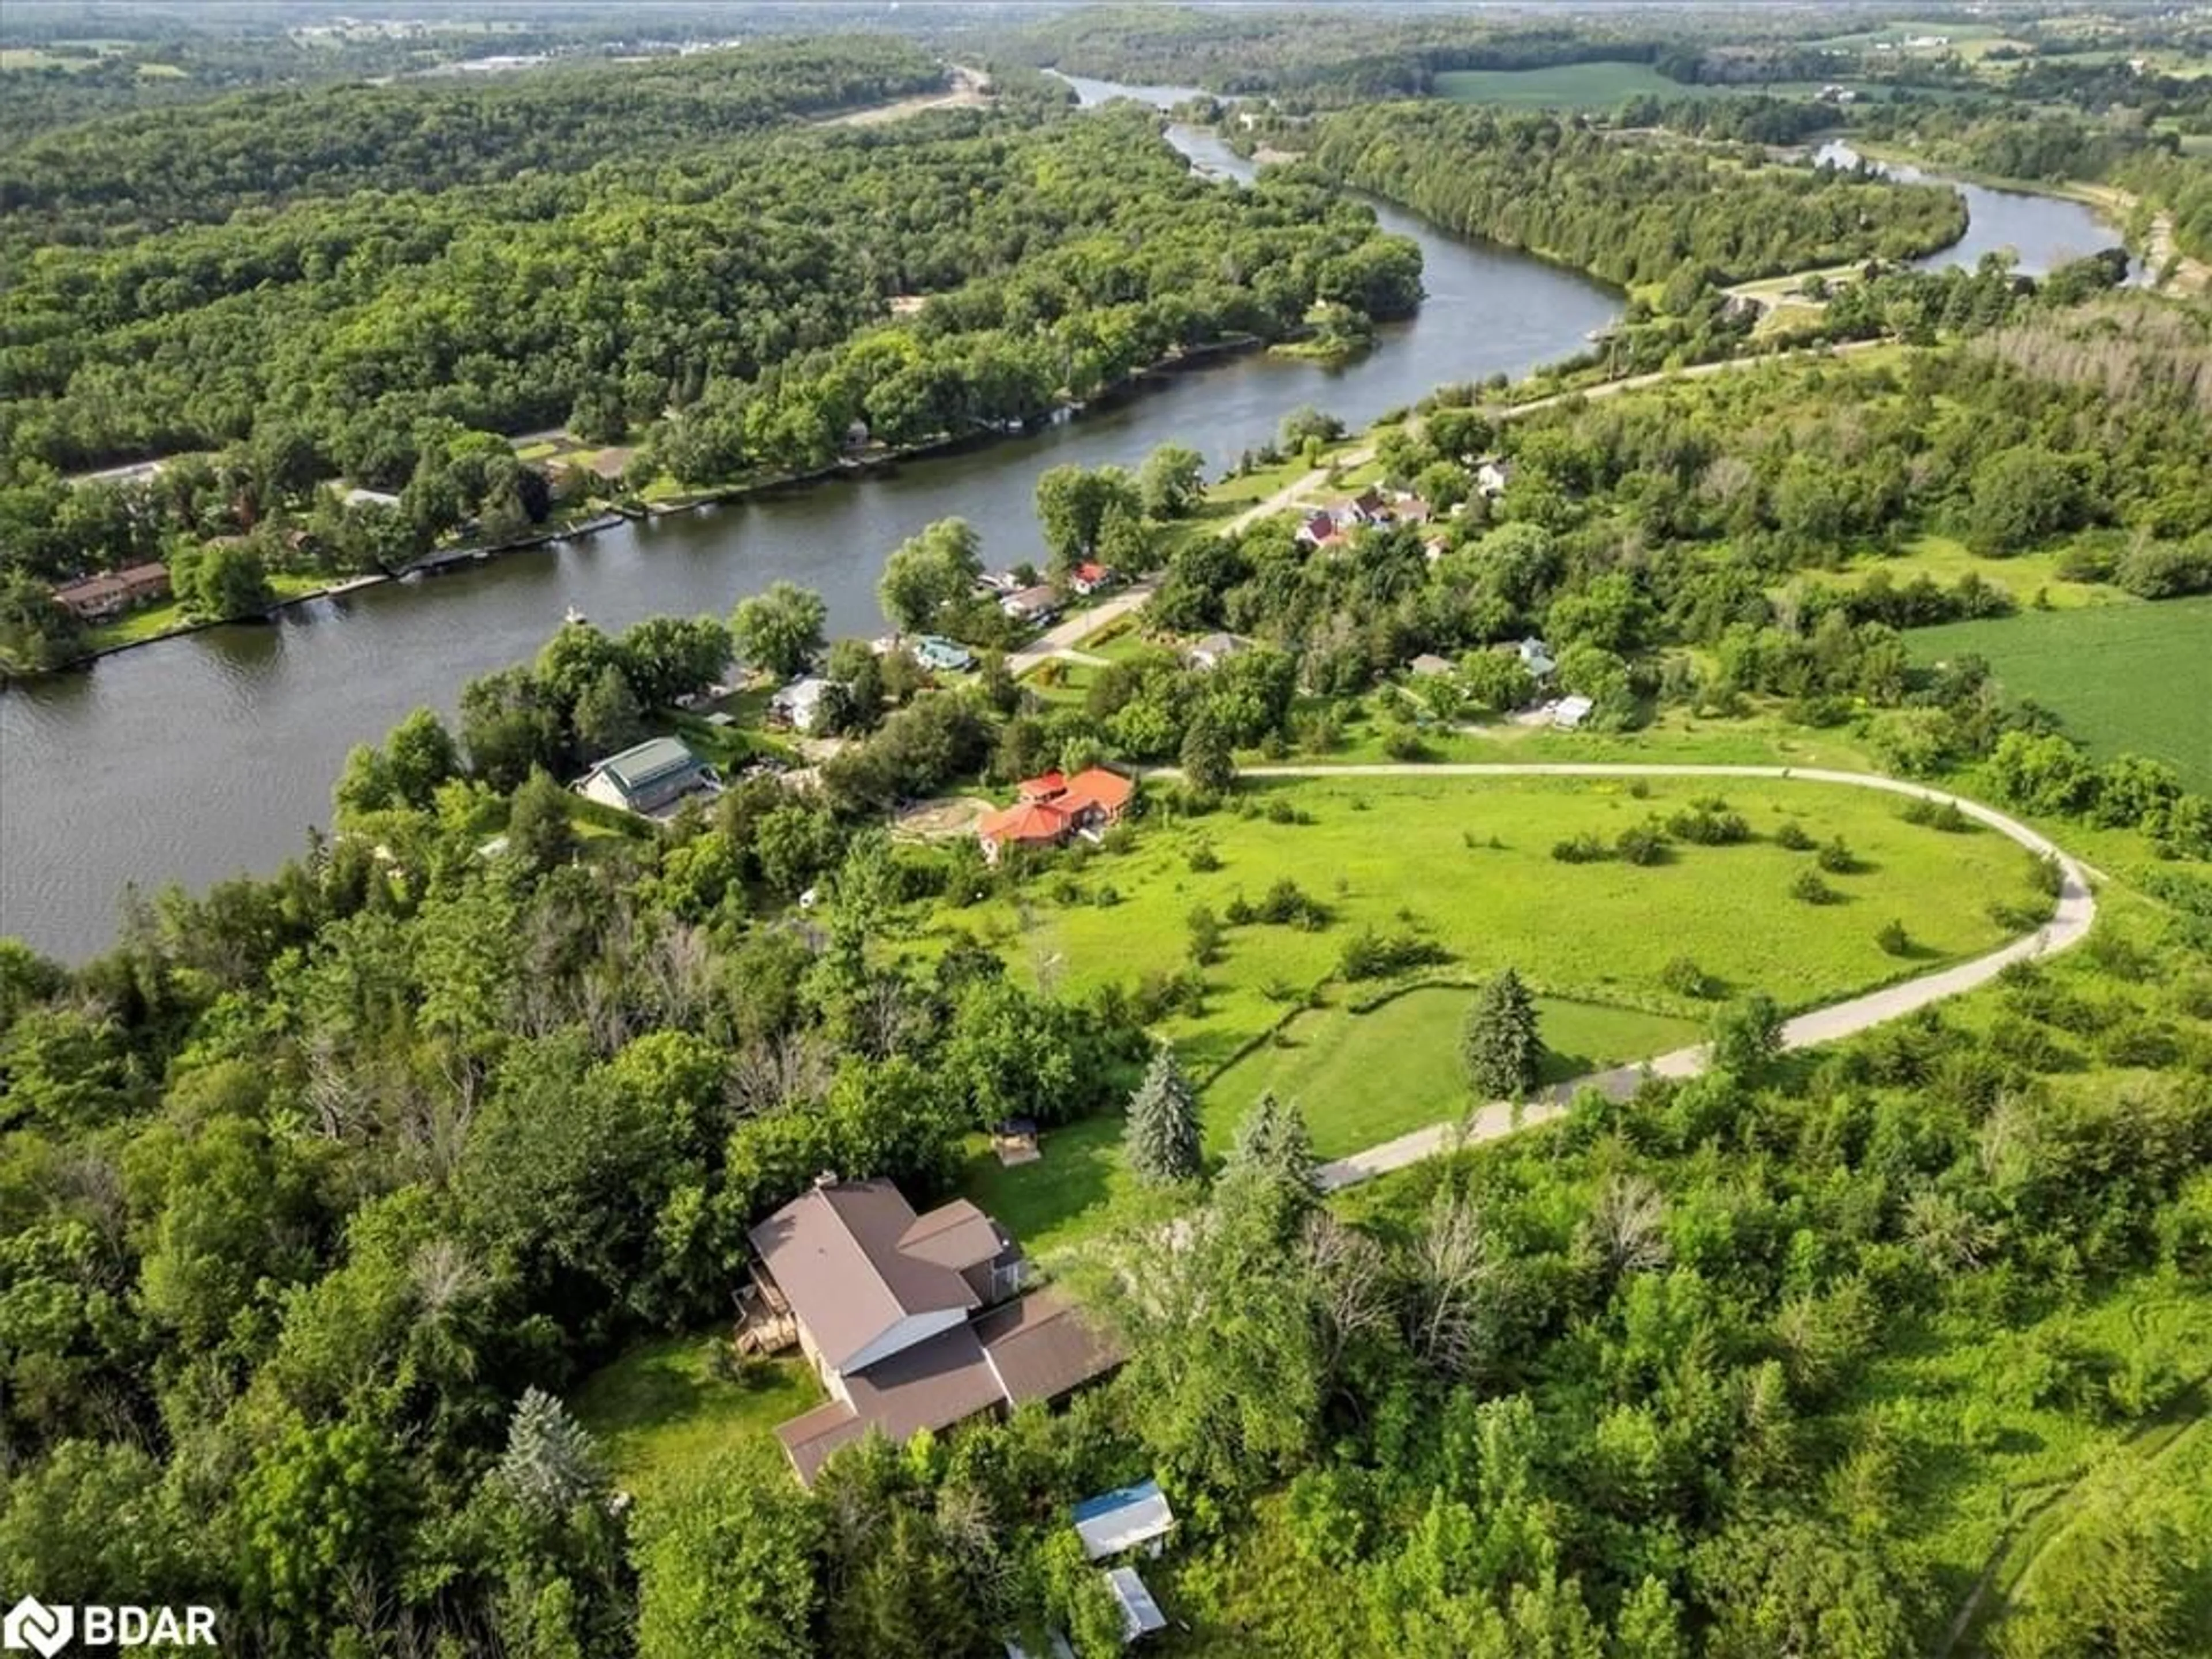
x,y
1563,86
1467,864
2134,678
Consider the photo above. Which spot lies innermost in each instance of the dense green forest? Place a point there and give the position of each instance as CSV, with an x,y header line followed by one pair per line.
x,y
727,301
311,1179
1632,214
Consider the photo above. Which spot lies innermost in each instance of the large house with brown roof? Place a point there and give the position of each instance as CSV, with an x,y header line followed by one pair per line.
x,y
913,1321
97,598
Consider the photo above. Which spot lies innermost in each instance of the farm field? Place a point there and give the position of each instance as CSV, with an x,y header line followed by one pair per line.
x,y
1468,863
1564,86
2135,677
660,1411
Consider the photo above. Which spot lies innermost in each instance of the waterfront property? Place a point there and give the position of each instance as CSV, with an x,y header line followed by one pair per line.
x,y
796,707
103,597
940,655
650,779
1036,606
1050,808
912,1321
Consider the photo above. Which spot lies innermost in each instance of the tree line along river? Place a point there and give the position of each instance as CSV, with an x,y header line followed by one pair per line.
x,y
199,757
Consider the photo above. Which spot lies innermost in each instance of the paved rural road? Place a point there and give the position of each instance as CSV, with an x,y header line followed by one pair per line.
x,y
1061,641
2069,923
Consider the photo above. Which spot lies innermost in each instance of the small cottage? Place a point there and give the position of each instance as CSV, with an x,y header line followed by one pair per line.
x,y
650,779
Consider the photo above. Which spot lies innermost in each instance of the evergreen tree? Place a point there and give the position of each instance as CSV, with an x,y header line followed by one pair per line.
x,y
1163,1128
1208,764
539,836
1500,1045
1273,1139
551,1463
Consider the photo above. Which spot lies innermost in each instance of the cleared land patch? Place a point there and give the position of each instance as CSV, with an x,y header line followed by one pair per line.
x,y
1468,865
1562,86
660,1409
2133,678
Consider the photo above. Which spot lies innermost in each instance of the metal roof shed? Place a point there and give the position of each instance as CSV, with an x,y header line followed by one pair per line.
x,y
1140,1614
1118,1520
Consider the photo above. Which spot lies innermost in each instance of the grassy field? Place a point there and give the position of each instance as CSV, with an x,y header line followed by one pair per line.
x,y
1365,1077
1360,1077
1944,560
1564,86
1468,862
2134,677
659,1409
155,620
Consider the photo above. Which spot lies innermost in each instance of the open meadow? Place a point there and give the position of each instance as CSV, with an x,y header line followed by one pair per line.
x,y
2135,678
1563,86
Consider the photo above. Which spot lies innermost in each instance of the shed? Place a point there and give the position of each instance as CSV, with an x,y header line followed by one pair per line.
x,y
1140,1614
1126,1519
799,705
1568,712
1428,663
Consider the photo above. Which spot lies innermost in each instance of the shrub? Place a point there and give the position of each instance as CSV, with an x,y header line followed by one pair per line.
x,y
1106,897
1837,858
1120,838
1930,814
1641,844
1893,939
1373,954
1287,904
1685,979
1205,937
1709,822
1403,743
1239,912
1585,848
1809,887
1203,859
1792,835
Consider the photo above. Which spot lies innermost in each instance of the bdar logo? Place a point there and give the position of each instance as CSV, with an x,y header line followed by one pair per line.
x,y
31,1624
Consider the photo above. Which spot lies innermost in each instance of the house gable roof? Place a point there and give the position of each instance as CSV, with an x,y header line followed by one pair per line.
x,y
1096,787
652,762
835,1253
1026,821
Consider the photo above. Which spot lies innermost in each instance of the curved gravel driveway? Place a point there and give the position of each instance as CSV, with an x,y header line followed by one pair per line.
x,y
2069,923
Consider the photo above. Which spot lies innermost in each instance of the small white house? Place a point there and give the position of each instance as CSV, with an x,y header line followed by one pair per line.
x,y
1569,713
1215,649
1491,476
799,705
649,779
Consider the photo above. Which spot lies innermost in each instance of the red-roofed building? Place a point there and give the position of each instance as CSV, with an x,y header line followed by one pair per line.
x,y
1052,807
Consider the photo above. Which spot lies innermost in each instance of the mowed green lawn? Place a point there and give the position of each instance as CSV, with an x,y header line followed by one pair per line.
x,y
2124,678
1365,1077
1468,861
660,1409
1562,86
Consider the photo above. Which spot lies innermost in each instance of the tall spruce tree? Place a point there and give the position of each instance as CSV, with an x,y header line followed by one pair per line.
x,y
1163,1127
1273,1139
1500,1045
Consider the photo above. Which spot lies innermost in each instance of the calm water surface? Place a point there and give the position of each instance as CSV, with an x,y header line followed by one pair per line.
x,y
200,757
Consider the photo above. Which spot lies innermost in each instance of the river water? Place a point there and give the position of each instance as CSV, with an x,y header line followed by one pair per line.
x,y
200,757
2040,233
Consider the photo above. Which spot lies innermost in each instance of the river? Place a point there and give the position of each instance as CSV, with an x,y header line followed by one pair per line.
x,y
200,757
2040,232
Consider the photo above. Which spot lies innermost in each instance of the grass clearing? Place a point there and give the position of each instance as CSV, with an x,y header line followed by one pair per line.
x,y
1468,862
1365,1077
660,1409
1944,560
2133,678
1562,86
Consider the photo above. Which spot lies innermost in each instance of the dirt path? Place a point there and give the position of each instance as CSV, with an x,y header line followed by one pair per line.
x,y
968,91
2069,923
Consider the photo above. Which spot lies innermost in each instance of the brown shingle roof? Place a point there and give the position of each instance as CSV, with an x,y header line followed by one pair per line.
x,y
1041,1347
931,1385
956,1235
835,1252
